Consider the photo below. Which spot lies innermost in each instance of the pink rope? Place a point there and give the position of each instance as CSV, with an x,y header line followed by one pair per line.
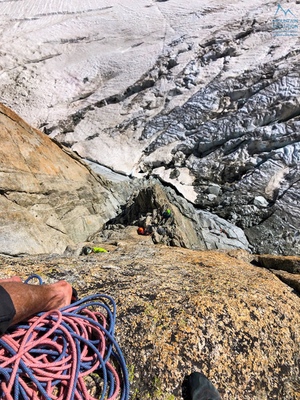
x,y
47,347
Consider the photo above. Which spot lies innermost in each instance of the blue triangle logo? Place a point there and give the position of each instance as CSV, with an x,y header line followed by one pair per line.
x,y
286,12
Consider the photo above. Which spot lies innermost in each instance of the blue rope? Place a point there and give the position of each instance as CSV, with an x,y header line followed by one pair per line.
x,y
34,276
112,354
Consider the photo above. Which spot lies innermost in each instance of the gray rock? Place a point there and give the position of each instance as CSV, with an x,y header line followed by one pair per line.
x,y
186,227
211,197
260,201
53,206
223,105
214,189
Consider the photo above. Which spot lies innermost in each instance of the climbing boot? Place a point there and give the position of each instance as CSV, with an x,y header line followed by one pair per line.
x,y
200,388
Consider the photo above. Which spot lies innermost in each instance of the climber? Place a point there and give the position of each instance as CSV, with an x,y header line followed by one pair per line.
x,y
19,301
144,231
166,215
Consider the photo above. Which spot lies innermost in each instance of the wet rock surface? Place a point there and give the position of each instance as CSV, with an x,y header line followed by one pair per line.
x,y
180,310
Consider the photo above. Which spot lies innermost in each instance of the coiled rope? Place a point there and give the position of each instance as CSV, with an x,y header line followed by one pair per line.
x,y
65,354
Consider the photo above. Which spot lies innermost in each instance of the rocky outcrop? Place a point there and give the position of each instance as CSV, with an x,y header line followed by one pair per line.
x,y
49,198
183,227
292,280
285,268
201,97
290,264
180,310
204,97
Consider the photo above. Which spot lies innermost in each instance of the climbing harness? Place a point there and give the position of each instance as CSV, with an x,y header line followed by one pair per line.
x,y
65,354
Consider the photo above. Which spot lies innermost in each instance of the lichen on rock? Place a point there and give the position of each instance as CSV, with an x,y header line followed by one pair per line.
x,y
180,310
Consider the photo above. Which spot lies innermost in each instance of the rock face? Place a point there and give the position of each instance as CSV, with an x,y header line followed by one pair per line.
x,y
183,227
203,96
49,198
286,268
180,310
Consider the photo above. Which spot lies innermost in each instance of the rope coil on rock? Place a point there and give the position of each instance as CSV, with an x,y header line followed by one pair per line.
x,y
57,354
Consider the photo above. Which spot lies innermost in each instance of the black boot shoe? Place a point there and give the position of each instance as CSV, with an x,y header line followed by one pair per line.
x,y
198,387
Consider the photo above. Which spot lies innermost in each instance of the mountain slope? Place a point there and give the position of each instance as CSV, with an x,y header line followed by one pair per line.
x,y
49,197
205,97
